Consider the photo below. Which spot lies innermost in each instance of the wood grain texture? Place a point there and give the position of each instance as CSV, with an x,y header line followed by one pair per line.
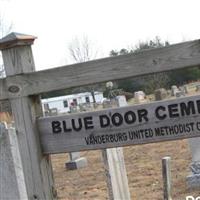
x,y
107,174
115,170
149,61
3,89
20,62
5,106
149,131
36,167
166,173
116,176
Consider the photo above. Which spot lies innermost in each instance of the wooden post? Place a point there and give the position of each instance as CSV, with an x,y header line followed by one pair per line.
x,y
116,177
166,178
12,185
18,59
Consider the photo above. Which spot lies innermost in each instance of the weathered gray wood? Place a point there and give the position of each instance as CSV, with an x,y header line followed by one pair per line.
x,y
20,62
36,167
115,170
12,184
116,177
145,131
3,89
166,173
107,173
150,61
5,106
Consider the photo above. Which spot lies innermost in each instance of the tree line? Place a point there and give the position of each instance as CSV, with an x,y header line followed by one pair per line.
x,y
151,82
82,51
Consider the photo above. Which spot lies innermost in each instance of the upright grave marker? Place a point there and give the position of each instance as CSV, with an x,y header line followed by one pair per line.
x,y
193,180
76,161
12,184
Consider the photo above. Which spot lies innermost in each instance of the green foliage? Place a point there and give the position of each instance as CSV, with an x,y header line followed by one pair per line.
x,y
154,81
56,93
151,44
147,83
183,76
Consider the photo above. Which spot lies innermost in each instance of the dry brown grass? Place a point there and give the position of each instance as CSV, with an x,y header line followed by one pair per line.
x,y
143,164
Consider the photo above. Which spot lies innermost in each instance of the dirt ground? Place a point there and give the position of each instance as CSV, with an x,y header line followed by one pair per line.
x,y
144,170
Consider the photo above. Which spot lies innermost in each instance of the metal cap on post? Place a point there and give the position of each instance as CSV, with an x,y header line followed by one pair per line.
x,y
16,39
17,46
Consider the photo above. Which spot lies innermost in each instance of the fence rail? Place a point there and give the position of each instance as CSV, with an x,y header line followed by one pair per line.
x,y
23,85
149,61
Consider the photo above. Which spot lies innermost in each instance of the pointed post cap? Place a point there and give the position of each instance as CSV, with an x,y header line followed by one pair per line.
x,y
16,39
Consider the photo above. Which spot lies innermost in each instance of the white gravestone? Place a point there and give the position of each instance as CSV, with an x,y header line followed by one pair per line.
x,y
12,184
174,90
121,101
193,180
139,96
186,89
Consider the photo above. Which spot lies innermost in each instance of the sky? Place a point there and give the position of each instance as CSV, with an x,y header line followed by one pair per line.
x,y
108,24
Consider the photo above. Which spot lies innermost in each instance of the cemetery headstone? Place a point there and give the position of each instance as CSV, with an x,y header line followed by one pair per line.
x,y
139,96
73,108
12,183
53,112
110,103
76,161
186,89
121,101
197,88
180,94
174,90
160,94
193,180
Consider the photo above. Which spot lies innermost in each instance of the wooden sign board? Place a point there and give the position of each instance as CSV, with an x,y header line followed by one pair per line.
x,y
131,125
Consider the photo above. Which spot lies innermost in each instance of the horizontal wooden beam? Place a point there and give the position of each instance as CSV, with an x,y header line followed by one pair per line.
x,y
113,68
131,125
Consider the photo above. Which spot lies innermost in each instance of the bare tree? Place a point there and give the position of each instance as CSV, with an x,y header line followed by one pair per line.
x,y
82,50
5,28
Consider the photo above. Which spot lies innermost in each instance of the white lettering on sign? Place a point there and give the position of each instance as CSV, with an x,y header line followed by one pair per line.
x,y
154,122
